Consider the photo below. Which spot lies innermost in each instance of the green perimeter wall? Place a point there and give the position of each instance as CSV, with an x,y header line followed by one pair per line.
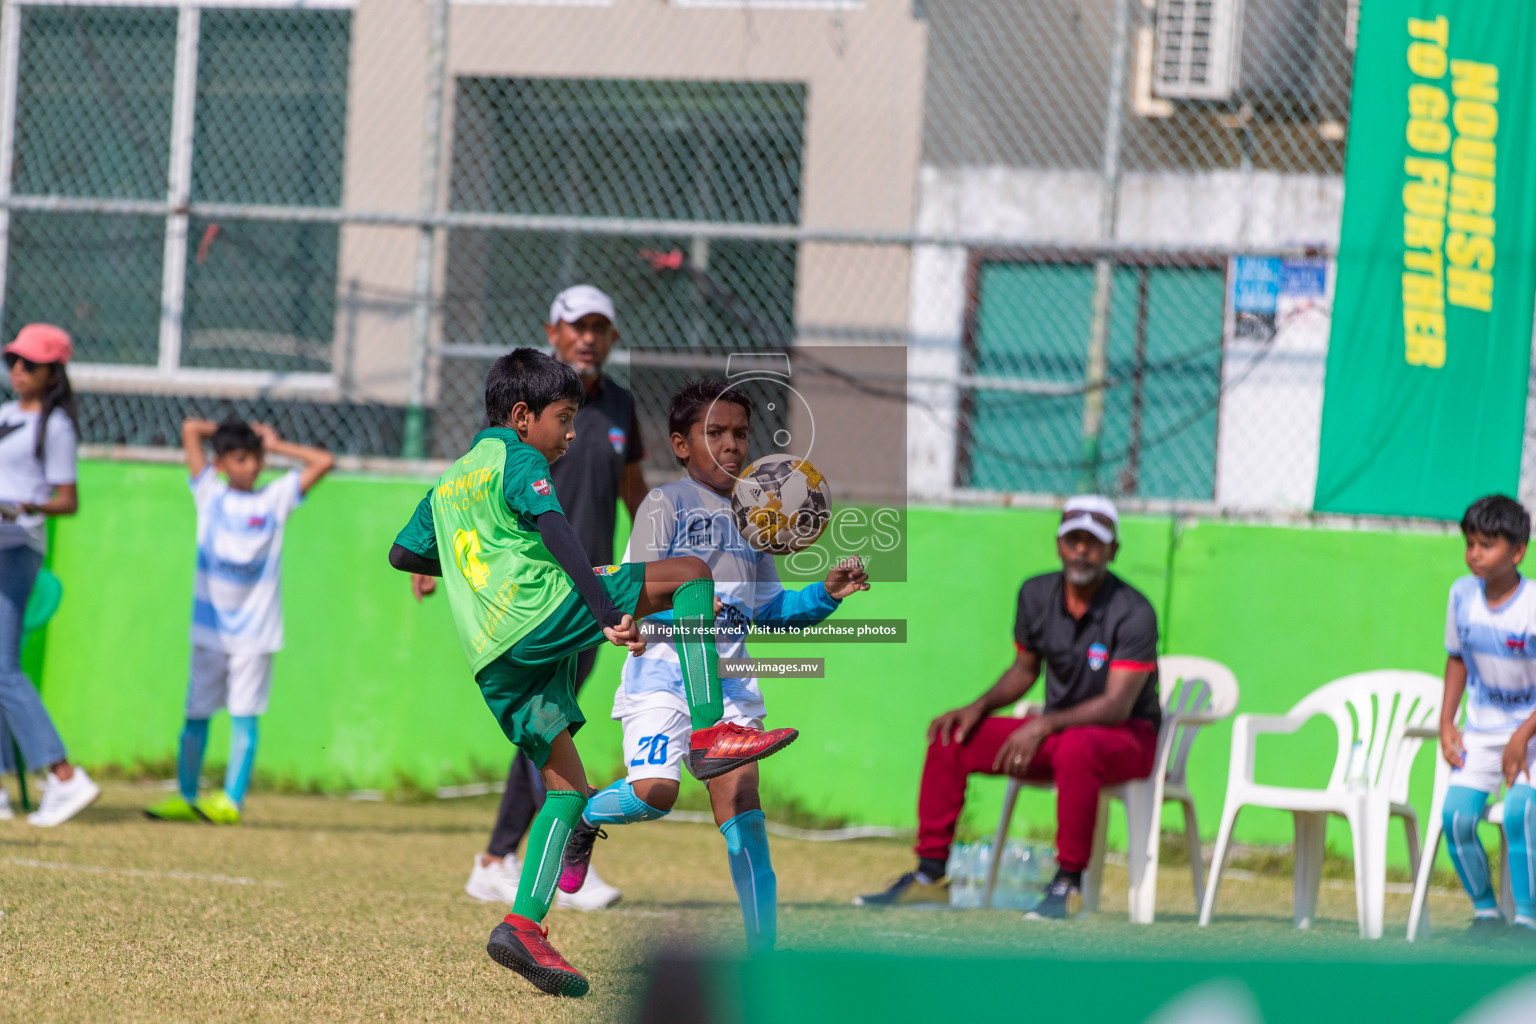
x,y
372,690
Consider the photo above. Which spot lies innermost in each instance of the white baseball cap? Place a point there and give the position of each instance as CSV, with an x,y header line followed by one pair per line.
x,y
578,301
1091,512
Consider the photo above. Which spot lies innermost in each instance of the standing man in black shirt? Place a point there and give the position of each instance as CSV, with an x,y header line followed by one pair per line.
x,y
600,469
1097,637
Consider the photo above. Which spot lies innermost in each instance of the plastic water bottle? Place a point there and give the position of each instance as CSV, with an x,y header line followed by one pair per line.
x,y
1012,890
964,885
1024,870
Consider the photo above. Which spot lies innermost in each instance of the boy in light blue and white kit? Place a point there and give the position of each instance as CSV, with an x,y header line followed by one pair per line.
x,y
237,615
1490,644
709,424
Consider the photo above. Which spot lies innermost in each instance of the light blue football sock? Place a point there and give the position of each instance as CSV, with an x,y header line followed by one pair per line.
x,y
1463,810
242,757
189,764
1520,830
617,804
746,845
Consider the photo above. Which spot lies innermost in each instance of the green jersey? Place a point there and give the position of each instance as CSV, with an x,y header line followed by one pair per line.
x,y
479,523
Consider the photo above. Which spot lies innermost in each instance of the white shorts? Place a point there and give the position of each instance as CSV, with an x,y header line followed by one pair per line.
x,y
1483,764
656,738
240,682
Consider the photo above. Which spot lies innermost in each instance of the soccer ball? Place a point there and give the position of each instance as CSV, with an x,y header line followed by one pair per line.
x,y
781,504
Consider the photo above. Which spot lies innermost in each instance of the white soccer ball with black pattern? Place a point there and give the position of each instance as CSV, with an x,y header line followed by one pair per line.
x,y
781,504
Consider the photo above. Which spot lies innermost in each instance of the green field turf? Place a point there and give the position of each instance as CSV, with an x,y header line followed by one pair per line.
x,y
325,909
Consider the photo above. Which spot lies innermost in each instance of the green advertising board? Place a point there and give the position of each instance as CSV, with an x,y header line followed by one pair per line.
x,y
1429,353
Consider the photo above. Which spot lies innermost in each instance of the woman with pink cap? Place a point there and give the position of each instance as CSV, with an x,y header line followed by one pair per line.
x,y
38,433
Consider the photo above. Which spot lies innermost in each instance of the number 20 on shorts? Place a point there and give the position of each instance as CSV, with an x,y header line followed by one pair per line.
x,y
658,750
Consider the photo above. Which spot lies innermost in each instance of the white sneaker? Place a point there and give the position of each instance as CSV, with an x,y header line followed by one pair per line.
x,y
493,881
594,894
63,800
6,814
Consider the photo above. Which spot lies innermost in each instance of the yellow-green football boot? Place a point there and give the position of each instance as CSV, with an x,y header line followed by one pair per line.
x,y
219,809
172,808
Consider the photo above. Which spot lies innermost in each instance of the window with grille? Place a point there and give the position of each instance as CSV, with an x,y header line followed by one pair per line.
x,y
1196,55
1162,387
677,152
97,89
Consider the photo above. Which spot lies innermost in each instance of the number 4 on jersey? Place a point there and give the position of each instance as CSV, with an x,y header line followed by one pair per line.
x,y
466,551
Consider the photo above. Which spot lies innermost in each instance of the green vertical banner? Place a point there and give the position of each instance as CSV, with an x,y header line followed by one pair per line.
x,y
1430,348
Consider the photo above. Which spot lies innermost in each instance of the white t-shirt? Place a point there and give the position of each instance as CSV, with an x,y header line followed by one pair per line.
x,y
24,478
687,518
237,598
1498,646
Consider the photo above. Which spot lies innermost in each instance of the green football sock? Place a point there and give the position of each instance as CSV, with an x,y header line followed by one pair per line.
x,y
693,607
546,845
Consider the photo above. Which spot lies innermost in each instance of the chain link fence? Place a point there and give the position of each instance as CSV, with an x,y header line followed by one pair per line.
x,y
1097,232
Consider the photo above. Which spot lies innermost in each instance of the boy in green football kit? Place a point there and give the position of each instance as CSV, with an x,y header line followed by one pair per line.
x,y
525,604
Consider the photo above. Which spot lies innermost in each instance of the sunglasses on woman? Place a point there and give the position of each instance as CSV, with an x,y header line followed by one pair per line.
x,y
11,359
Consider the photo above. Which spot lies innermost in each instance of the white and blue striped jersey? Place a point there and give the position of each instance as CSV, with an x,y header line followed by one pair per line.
x,y
237,600
686,518
1499,648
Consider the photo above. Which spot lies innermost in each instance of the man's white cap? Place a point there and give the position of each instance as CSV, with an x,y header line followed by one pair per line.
x,y
578,301
1091,512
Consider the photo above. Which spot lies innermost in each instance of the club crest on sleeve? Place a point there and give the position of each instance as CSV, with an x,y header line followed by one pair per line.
x,y
1098,654
605,570
616,438
541,487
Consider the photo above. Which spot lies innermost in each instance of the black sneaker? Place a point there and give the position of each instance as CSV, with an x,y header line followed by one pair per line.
x,y
908,891
578,855
1061,901
1486,929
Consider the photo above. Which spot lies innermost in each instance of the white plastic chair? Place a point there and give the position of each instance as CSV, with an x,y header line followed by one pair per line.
x,y
1377,709
1418,916
1195,692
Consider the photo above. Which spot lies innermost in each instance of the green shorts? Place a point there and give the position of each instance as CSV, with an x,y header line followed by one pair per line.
x,y
531,687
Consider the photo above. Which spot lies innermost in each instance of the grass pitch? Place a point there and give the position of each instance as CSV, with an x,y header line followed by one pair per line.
x,y
325,909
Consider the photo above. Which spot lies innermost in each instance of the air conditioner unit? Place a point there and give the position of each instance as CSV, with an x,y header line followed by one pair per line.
x,y
1209,49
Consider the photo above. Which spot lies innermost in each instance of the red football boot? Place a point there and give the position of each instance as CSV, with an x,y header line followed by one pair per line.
x,y
725,747
521,945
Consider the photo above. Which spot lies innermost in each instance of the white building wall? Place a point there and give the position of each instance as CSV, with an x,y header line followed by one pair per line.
x,y
1272,402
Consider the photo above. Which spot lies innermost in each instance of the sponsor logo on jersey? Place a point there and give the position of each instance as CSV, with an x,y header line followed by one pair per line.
x,y
699,534
605,570
541,487
1098,654
1509,700
1516,643
256,522
616,438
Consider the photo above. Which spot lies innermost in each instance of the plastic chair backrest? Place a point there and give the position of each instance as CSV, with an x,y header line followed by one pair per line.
x,y
1191,685
1375,708
47,592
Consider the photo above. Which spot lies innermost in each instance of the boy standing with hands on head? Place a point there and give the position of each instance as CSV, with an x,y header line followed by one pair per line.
x,y
237,616
526,603
1490,643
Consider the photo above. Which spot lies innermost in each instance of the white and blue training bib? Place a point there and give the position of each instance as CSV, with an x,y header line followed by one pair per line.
x,y
1499,648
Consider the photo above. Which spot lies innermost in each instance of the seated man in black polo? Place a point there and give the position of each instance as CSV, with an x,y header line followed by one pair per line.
x,y
1097,636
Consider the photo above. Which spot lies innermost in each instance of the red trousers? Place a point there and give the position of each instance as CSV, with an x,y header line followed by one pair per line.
x,y
1080,760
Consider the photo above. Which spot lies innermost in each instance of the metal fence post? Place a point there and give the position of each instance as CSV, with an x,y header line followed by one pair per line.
x,y
414,446
1104,266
